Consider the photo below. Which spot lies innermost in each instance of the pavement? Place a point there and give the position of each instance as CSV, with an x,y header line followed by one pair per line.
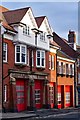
x,y
37,113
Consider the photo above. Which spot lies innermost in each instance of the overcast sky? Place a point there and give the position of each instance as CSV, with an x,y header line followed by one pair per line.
x,y
62,16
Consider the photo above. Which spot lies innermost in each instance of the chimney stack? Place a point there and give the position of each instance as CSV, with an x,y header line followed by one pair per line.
x,y
72,39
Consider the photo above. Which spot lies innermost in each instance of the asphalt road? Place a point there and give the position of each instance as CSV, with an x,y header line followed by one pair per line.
x,y
64,116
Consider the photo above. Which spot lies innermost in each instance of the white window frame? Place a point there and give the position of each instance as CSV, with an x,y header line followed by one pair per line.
x,y
73,69
67,68
52,62
26,30
5,93
49,61
40,58
20,54
78,78
5,51
43,36
32,58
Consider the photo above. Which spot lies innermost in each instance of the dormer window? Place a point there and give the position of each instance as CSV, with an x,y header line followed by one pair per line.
x,y
26,30
42,36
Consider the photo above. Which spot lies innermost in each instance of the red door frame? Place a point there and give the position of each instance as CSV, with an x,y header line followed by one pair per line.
x,y
39,86
20,107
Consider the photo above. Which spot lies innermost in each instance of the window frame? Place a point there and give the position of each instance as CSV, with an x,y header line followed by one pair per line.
x,y
20,45
32,58
67,97
5,93
5,51
40,58
51,62
78,78
26,30
43,36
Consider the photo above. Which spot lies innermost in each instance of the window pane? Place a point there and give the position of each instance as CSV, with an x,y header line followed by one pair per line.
x,y
38,61
38,53
42,61
18,49
42,54
4,55
23,58
23,49
19,88
4,46
17,57
20,94
5,52
20,100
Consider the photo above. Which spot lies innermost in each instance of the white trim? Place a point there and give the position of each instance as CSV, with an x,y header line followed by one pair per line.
x,y
49,61
52,61
5,93
61,58
40,59
6,50
32,58
20,53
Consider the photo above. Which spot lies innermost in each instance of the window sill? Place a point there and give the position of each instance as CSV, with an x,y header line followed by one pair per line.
x,y
4,62
40,68
27,35
43,41
20,64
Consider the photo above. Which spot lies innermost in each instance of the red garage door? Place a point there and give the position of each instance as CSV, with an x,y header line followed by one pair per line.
x,y
38,94
20,95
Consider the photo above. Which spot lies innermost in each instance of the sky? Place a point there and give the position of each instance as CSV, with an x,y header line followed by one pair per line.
x,y
62,16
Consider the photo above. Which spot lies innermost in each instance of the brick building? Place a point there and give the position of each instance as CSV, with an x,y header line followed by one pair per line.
x,y
30,64
67,74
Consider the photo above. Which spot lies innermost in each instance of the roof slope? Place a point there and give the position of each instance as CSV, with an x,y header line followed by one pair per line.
x,y
65,47
4,22
53,43
39,20
15,16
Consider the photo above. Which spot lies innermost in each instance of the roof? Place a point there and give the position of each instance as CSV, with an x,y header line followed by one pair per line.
x,y
78,46
53,43
4,22
63,55
15,16
65,47
39,20
3,9
8,27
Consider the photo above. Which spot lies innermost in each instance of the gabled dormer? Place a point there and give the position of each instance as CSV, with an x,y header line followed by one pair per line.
x,y
44,27
23,22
